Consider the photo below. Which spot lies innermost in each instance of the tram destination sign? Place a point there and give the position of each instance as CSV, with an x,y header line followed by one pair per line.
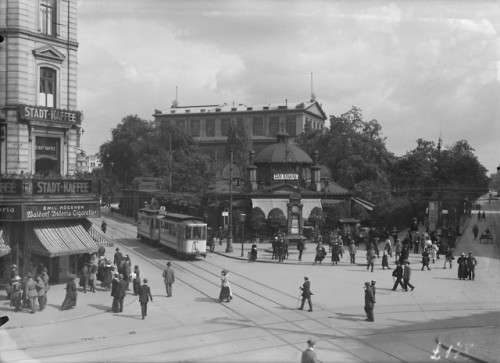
x,y
37,212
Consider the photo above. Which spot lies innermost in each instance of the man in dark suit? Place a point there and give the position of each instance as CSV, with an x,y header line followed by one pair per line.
x,y
144,297
308,355
120,293
118,258
306,294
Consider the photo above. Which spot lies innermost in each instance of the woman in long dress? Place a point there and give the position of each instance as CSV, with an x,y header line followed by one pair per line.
x,y
71,294
225,292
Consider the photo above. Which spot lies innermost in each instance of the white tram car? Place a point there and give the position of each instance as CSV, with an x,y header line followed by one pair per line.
x,y
185,235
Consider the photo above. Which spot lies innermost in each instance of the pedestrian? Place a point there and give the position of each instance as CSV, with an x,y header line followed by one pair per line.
x,y
352,251
104,226
16,293
425,259
144,297
40,290
463,273
434,251
471,266
306,294
336,253
308,355
45,278
84,277
398,275
448,257
385,261
225,291
118,298
475,231
169,278
407,276
369,302
127,271
136,280
300,247
118,257
92,277
320,253
108,275
372,285
274,245
376,246
370,259
398,248
484,216
31,293
71,294
253,253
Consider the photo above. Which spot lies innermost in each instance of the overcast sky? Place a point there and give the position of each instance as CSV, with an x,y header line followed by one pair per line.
x,y
420,68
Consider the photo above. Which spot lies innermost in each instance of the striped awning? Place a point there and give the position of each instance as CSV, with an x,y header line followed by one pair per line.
x,y
59,238
4,248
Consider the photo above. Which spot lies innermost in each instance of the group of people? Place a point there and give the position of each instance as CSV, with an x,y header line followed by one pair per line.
x,y
466,266
29,292
280,247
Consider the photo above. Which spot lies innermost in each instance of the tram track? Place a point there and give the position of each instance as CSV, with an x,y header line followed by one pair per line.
x,y
208,272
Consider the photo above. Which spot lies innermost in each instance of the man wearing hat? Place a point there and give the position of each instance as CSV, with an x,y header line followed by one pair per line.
x,y
120,293
308,355
118,258
144,297
16,294
168,278
306,294
407,276
471,266
369,302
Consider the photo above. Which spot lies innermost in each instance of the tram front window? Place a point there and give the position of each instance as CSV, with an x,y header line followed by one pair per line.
x,y
197,232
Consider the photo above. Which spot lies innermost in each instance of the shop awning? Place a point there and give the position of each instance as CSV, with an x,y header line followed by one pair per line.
x,y
4,248
59,238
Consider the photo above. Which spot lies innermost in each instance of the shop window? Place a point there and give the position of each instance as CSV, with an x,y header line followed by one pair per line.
x,y
48,155
195,128
258,126
291,126
48,17
47,94
274,126
225,125
210,128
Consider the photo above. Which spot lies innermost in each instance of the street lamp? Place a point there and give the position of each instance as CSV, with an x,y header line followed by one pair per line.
x,y
243,216
229,247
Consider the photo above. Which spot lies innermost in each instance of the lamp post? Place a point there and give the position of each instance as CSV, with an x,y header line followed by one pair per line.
x,y
243,217
229,247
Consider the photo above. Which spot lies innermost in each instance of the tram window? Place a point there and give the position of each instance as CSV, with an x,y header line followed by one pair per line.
x,y
196,232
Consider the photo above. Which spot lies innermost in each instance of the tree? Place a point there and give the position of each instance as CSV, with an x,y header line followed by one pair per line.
x,y
240,141
258,220
317,219
276,221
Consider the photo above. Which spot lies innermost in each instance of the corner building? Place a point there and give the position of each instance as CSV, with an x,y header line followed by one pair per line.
x,y
44,205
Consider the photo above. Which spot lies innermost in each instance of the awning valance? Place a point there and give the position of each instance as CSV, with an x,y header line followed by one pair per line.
x,y
59,238
4,248
268,204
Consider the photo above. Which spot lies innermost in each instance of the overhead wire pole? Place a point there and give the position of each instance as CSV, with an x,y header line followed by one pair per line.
x,y
229,247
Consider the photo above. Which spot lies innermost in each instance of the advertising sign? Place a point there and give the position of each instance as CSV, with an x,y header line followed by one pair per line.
x,y
10,186
39,113
36,212
10,212
56,186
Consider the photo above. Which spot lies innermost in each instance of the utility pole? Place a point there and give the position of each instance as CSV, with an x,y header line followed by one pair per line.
x,y
229,247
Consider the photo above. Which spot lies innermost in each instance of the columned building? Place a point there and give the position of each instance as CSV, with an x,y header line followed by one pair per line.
x,y
43,205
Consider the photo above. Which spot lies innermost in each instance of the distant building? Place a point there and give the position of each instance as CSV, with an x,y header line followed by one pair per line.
x,y
209,124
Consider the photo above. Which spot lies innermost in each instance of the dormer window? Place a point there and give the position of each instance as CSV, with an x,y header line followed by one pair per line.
x,y
48,17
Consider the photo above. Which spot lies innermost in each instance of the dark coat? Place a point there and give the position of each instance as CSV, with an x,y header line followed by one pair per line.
x,y
306,289
121,290
398,272
369,297
118,259
145,294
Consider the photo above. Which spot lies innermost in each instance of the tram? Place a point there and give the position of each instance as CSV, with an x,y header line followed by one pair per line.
x,y
185,235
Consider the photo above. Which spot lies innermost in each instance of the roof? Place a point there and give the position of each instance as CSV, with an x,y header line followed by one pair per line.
x,y
282,152
305,105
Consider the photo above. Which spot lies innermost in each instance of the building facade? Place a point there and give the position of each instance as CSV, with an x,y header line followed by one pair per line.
x,y
209,124
43,205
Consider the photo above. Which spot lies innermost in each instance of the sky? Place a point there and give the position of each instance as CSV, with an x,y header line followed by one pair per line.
x,y
422,68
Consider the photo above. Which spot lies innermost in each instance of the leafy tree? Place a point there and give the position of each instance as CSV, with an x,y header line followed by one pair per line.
x,y
240,141
276,221
258,220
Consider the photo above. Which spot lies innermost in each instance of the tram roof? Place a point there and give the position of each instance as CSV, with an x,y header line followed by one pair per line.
x,y
181,217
